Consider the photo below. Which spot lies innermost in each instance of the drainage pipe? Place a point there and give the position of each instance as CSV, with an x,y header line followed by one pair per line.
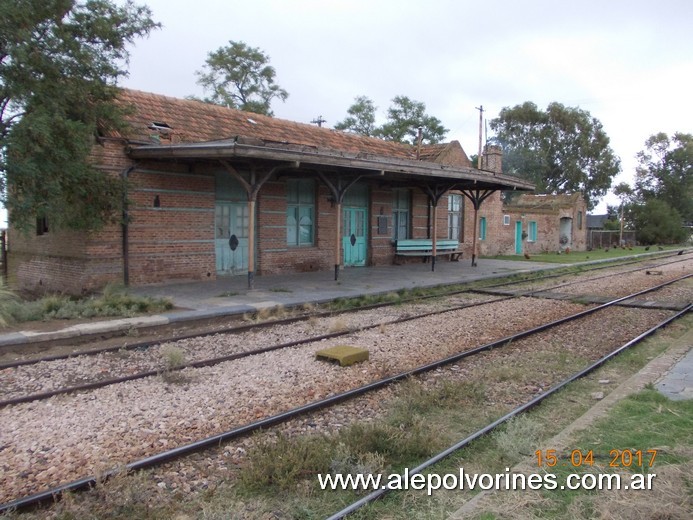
x,y
125,230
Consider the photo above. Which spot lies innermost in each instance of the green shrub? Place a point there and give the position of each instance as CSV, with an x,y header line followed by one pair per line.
x,y
114,302
282,463
8,302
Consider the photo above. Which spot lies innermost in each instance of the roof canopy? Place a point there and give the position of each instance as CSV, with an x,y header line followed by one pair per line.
x,y
163,128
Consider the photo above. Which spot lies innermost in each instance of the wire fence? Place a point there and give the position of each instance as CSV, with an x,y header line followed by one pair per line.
x,y
598,238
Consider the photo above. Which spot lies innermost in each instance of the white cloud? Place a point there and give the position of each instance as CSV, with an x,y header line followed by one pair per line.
x,y
628,62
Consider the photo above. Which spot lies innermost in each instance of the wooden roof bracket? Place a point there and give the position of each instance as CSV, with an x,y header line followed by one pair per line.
x,y
477,197
253,185
252,188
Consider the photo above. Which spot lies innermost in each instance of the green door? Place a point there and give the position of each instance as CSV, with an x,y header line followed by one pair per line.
x,y
354,236
518,237
231,237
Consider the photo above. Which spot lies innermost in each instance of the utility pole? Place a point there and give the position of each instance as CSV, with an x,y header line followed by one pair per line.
x,y
480,108
319,121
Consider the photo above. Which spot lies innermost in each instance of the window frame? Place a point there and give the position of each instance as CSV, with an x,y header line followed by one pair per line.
x,y
459,213
41,226
300,204
532,231
482,228
401,207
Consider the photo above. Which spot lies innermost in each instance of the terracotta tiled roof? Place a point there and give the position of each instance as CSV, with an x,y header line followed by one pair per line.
x,y
194,122
450,153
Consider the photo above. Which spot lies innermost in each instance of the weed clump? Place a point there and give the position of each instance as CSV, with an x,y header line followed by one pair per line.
x,y
115,301
173,357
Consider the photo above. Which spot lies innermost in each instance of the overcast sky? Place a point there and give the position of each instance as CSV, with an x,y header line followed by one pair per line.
x,y
628,62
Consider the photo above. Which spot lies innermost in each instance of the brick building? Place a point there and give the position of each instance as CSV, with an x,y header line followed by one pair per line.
x,y
536,224
216,191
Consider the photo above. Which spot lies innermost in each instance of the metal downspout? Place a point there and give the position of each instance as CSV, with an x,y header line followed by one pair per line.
x,y
124,225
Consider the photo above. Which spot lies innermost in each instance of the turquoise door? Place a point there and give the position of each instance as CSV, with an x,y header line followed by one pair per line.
x,y
518,237
231,237
354,236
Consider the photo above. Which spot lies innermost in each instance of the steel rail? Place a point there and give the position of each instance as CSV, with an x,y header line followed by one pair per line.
x,y
328,313
580,281
228,330
520,409
238,355
216,440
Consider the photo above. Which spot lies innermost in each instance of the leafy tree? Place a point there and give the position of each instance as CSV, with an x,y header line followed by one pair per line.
x,y
612,222
665,172
361,118
239,76
561,150
623,191
405,117
658,223
59,64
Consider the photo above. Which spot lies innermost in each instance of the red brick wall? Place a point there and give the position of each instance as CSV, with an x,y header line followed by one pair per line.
x,y
548,229
173,240
275,256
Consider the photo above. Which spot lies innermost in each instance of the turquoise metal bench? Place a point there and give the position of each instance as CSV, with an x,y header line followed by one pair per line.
x,y
423,247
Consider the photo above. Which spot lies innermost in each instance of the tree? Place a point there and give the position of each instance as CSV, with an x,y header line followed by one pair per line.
x,y
624,192
658,223
239,76
665,172
613,218
59,63
561,150
405,117
361,118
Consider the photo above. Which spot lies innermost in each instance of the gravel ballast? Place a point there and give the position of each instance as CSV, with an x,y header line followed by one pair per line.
x,y
46,443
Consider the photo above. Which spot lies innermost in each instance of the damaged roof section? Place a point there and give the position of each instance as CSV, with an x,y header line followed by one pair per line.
x,y
544,202
165,128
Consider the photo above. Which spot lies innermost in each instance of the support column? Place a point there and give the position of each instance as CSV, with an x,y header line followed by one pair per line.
x,y
434,235
338,189
476,197
435,192
476,220
252,188
338,240
251,243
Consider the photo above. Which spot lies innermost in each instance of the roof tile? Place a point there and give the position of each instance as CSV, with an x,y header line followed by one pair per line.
x,y
194,121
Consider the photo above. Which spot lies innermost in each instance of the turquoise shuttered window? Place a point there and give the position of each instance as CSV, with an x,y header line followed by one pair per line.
x,y
300,212
532,231
400,214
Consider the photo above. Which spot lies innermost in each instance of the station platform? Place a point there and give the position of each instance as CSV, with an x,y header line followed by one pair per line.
x,y
230,294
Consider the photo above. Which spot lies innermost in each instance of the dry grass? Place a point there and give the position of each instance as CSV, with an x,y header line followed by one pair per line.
x,y
338,325
173,357
671,500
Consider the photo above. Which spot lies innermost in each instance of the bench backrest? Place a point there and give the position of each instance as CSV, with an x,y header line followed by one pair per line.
x,y
426,244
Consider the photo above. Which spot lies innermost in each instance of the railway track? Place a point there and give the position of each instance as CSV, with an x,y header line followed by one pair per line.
x,y
320,403
120,368
301,316
535,401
